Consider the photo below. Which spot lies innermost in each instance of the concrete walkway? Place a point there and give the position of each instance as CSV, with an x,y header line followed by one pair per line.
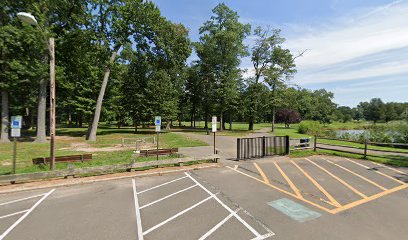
x,y
226,145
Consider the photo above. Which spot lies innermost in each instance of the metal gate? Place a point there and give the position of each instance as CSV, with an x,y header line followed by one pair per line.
x,y
262,146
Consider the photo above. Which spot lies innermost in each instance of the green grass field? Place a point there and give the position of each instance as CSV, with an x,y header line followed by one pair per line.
x,y
70,141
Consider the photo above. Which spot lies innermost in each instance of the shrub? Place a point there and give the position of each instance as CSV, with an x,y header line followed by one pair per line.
x,y
310,127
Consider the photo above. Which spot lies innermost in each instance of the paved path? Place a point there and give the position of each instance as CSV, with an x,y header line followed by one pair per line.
x,y
361,151
226,145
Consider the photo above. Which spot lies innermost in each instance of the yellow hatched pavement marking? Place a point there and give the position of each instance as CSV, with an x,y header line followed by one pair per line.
x,y
332,211
281,190
264,177
370,198
338,179
294,188
383,174
328,195
358,175
390,168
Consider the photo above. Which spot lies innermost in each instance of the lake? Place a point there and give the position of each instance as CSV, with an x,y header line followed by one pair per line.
x,y
354,132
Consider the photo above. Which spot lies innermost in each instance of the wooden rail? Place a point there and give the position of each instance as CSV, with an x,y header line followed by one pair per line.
x,y
70,158
364,148
14,178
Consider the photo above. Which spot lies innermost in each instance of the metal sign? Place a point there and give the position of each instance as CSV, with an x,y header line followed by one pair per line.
x,y
15,132
157,120
16,122
214,124
158,128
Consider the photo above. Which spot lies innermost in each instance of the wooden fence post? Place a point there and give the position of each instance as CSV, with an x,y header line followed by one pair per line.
x,y
365,149
315,142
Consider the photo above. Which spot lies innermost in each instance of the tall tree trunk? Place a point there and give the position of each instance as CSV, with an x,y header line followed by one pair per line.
x,y
206,120
41,113
194,120
81,122
221,120
251,123
69,120
273,106
273,118
31,119
230,122
94,126
4,117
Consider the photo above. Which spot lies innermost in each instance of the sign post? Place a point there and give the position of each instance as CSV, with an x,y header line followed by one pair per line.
x,y
157,122
214,129
16,122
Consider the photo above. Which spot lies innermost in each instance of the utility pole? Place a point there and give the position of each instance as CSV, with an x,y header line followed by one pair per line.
x,y
51,46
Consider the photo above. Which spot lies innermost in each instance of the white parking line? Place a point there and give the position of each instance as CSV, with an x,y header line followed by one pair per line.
x,y
259,236
137,211
265,236
207,234
162,185
21,199
170,195
177,215
12,214
2,236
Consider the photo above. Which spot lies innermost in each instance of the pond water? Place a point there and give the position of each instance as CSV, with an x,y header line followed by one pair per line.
x,y
354,132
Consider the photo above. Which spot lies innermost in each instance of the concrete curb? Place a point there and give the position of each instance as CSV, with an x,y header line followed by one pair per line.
x,y
52,183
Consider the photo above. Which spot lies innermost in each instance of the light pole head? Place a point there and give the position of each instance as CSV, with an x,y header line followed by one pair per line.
x,y
27,18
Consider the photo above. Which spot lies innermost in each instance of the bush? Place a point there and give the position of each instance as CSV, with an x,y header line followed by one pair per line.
x,y
310,127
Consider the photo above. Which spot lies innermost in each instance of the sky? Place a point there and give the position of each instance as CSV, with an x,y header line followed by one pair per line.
x,y
357,49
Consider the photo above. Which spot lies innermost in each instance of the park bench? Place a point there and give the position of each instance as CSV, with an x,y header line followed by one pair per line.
x,y
71,158
154,152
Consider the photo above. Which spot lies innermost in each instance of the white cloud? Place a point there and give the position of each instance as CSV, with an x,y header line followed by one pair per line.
x,y
344,49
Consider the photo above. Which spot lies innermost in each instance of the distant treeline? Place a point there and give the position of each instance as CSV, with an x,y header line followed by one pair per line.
x,y
375,110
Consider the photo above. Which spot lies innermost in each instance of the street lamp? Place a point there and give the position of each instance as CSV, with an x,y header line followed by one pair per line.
x,y
30,19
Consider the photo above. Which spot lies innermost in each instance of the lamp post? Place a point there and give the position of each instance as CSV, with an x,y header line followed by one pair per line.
x,y
30,19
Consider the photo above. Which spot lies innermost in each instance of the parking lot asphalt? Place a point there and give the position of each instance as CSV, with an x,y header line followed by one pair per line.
x,y
273,198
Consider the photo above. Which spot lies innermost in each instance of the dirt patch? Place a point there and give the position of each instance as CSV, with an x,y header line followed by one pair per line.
x,y
85,147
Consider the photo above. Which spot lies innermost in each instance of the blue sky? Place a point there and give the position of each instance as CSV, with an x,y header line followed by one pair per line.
x,y
356,49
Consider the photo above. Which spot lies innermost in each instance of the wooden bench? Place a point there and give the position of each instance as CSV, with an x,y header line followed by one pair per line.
x,y
71,158
154,152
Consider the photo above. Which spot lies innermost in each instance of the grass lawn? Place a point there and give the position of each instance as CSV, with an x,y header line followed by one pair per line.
x,y
70,141
400,161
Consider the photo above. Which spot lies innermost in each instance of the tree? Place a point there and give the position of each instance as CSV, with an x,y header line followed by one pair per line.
x,y
19,64
119,23
220,48
264,58
375,110
283,67
156,74
344,113
357,113
322,106
390,112
288,116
